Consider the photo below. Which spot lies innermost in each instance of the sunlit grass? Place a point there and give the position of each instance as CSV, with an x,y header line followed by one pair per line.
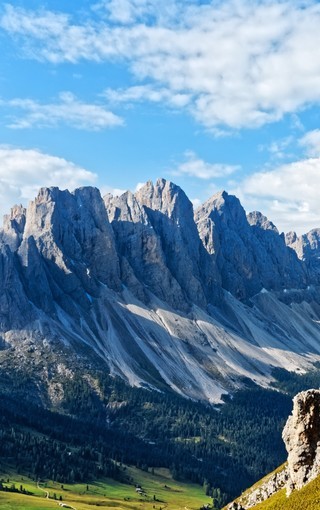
x,y
159,492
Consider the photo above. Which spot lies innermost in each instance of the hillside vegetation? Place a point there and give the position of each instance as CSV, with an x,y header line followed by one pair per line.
x,y
308,498
158,490
96,426
199,443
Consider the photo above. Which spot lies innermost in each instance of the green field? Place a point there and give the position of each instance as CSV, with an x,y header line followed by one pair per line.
x,y
160,491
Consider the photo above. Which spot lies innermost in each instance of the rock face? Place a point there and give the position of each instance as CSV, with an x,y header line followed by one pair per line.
x,y
302,439
307,248
159,245
270,485
248,250
301,436
160,296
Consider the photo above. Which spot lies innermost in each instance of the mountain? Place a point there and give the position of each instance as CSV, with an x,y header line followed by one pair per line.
x,y
198,303
307,248
248,250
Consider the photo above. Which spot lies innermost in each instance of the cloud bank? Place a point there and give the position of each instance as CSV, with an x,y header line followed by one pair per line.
x,y
235,63
68,110
23,172
288,195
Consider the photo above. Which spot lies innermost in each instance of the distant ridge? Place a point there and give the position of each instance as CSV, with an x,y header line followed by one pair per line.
x,y
162,296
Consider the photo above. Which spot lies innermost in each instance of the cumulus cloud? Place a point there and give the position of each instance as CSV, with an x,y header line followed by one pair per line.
x,y
311,143
197,167
23,172
288,195
131,11
240,63
68,110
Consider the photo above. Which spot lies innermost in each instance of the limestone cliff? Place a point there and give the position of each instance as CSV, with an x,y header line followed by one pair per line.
x,y
248,250
302,439
301,436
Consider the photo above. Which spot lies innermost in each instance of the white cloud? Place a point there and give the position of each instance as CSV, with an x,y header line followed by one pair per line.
x,y
288,195
23,172
196,202
311,143
279,149
140,93
68,110
196,167
127,12
241,63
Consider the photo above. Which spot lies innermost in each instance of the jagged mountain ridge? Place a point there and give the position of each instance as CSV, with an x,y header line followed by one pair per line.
x,y
163,297
307,248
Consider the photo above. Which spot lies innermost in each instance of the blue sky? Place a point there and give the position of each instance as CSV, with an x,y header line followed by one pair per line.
x,y
209,94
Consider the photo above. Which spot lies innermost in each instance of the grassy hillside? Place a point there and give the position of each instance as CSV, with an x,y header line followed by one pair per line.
x,y
307,498
159,490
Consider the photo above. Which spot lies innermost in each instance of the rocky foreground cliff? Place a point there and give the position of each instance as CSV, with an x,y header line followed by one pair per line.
x,y
301,436
156,293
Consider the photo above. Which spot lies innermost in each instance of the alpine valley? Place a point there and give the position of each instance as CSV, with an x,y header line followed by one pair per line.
x,y
137,331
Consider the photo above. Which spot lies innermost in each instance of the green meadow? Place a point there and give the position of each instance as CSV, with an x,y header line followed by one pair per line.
x,y
158,492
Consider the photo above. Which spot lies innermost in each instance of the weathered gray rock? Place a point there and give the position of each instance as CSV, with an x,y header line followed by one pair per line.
x,y
15,308
248,251
13,226
146,295
301,436
156,234
72,230
269,486
307,248
302,439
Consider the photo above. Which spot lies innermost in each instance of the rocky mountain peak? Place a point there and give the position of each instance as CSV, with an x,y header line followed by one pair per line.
x,y
167,198
13,226
290,237
156,234
147,291
302,439
16,219
225,206
307,248
125,207
68,244
258,219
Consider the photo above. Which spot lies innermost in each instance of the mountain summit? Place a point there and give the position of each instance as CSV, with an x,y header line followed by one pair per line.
x,y
161,296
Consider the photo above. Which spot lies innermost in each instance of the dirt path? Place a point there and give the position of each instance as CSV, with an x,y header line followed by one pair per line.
x,y
63,505
43,490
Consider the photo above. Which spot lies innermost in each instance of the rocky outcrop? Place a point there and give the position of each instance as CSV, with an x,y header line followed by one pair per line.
x,y
307,248
269,486
248,250
301,436
302,439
